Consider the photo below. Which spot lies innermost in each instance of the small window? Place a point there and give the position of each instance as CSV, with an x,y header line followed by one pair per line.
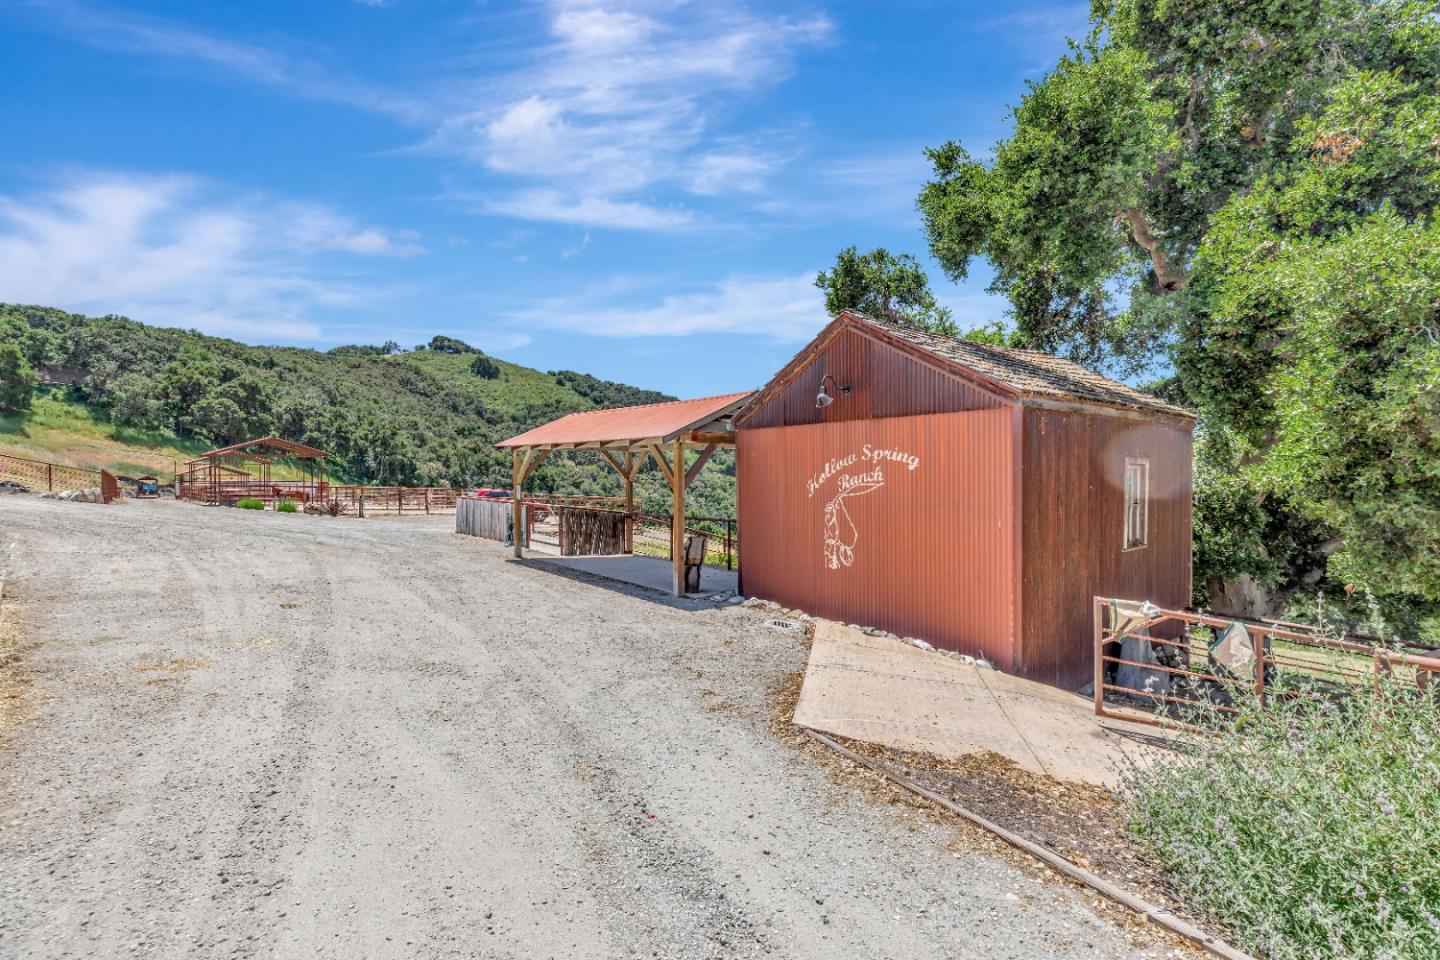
x,y
1137,503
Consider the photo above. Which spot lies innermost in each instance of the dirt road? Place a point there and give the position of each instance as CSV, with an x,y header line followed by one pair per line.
x,y
282,736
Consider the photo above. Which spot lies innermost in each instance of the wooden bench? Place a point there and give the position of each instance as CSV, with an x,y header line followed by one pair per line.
x,y
694,560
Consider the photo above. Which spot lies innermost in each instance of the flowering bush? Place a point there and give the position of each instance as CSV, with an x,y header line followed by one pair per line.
x,y
1307,828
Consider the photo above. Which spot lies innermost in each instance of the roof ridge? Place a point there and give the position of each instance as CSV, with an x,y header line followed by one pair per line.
x,y
658,403
1033,373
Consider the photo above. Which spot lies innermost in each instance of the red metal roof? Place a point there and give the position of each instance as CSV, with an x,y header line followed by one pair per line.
x,y
627,424
297,450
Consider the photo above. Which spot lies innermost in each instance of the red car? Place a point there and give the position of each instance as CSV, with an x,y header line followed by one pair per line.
x,y
539,511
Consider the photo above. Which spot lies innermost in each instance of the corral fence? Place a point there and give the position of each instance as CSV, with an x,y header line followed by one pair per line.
x,y
650,531
41,475
349,499
578,525
397,501
1152,664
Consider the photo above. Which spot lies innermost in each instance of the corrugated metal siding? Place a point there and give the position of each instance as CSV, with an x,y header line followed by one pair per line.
x,y
934,552
1073,501
884,383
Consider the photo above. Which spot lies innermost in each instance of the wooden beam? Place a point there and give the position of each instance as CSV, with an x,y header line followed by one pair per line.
x,y
517,477
660,461
724,438
534,456
694,470
629,474
677,520
609,458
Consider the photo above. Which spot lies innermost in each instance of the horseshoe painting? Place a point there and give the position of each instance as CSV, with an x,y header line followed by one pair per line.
x,y
840,533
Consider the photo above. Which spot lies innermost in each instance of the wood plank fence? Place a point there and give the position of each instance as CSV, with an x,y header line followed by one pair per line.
x,y
591,532
488,517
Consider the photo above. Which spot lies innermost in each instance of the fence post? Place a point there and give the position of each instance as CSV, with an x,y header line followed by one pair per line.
x,y
1099,617
727,545
50,477
1259,665
427,500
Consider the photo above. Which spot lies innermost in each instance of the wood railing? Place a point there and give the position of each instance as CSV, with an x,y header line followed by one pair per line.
x,y
355,499
651,532
396,501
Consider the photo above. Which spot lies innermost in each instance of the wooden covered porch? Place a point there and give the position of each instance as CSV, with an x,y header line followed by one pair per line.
x,y
624,438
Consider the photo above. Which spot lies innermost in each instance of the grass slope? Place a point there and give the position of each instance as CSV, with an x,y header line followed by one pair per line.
x,y
135,399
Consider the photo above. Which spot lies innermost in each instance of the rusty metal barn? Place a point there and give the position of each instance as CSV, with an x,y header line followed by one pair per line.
x,y
974,496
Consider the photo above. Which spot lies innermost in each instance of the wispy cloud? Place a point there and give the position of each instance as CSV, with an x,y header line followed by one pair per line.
x,y
559,206
178,250
782,308
1040,33
126,32
620,101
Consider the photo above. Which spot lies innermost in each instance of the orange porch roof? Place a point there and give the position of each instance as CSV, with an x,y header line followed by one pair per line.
x,y
625,425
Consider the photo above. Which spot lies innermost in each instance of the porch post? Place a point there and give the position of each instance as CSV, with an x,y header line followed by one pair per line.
x,y
629,502
677,520
517,505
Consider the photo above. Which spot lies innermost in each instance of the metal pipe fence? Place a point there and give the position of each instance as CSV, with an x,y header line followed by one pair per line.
x,y
1153,665
43,475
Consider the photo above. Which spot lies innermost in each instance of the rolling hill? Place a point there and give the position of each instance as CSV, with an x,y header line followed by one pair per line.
x,y
134,398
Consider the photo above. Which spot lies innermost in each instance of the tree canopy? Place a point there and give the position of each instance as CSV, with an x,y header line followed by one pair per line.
x,y
1240,196
885,286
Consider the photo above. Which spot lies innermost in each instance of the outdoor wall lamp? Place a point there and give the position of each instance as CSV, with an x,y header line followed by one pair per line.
x,y
823,399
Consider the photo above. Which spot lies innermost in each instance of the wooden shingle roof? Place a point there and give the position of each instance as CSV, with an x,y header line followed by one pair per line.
x,y
1029,373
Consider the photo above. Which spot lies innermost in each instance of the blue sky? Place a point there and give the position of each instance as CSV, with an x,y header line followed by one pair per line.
x,y
642,191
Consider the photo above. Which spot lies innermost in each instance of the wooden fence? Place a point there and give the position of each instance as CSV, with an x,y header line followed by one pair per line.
x,y
49,477
488,517
355,499
396,501
591,532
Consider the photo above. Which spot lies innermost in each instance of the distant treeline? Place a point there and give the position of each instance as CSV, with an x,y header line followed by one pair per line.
x,y
428,416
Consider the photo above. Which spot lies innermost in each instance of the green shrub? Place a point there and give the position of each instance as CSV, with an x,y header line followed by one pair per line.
x,y
286,506
251,504
1308,829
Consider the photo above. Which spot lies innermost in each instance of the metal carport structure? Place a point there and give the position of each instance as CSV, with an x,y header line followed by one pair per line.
x,y
624,437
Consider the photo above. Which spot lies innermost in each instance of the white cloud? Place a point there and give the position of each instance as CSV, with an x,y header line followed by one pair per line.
x,y
783,308
557,206
180,251
622,100
724,172
146,35
577,249
314,229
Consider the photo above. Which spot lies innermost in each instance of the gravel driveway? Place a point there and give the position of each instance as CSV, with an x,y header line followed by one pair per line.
x,y
282,736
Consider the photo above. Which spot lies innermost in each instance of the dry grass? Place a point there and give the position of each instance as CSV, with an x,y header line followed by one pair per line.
x,y
16,703
176,666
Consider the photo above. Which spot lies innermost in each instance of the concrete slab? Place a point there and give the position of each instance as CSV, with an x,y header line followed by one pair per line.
x,y
652,573
888,692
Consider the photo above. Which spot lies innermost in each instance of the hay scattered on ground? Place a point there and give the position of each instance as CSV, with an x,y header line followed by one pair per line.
x,y
16,703
177,665
1080,822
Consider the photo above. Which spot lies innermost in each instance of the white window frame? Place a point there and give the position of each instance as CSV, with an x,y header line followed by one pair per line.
x,y
1137,504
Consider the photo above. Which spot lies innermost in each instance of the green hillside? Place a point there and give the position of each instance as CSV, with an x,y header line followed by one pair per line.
x,y
135,398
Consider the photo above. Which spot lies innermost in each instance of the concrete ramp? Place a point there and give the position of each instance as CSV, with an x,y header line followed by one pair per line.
x,y
884,691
